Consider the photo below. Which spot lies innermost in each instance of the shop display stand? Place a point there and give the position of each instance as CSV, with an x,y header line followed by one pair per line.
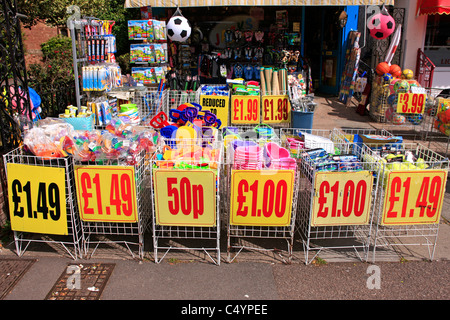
x,y
180,235
75,235
128,234
435,139
79,57
405,235
338,238
257,238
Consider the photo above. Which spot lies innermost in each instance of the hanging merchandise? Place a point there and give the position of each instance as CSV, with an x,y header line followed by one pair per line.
x,y
381,25
178,27
394,44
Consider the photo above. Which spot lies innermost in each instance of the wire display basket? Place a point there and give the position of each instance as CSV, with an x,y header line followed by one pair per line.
x,y
186,186
72,239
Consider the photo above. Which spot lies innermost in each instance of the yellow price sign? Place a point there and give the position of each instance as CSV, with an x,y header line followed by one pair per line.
x,y
261,197
106,193
185,197
414,197
342,198
245,109
276,109
219,105
411,103
37,199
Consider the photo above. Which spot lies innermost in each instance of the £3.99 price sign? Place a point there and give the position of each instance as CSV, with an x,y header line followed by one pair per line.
x,y
245,109
37,199
342,198
106,193
414,197
411,103
276,109
261,198
185,197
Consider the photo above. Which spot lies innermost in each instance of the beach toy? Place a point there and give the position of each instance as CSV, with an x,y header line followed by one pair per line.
x,y
159,121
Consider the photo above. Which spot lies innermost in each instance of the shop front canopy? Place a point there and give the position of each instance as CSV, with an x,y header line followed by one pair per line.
x,y
212,3
427,7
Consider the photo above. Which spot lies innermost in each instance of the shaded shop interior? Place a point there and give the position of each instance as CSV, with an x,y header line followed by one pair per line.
x,y
308,39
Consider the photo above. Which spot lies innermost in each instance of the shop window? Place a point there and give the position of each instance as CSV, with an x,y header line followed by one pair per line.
x,y
437,40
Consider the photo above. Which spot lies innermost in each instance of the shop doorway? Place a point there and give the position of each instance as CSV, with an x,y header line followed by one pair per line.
x,y
325,44
330,53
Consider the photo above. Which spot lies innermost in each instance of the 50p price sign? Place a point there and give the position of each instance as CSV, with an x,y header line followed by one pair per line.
x,y
185,197
106,193
37,199
276,109
414,197
245,109
261,198
411,103
342,198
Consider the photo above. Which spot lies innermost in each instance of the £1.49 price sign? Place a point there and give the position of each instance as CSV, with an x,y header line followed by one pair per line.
x,y
245,109
276,109
414,197
342,198
185,197
261,198
106,193
37,199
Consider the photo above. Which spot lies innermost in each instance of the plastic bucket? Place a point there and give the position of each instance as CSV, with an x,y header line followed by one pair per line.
x,y
302,120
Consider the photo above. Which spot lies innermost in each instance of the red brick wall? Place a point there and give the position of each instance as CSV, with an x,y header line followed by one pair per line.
x,y
32,40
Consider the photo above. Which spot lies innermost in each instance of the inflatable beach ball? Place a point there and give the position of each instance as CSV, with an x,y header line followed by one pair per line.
x,y
407,74
387,78
401,86
178,29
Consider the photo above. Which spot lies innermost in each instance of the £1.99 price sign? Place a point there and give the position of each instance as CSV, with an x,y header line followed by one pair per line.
x,y
414,197
411,102
276,109
342,198
106,193
261,198
245,109
37,199
185,197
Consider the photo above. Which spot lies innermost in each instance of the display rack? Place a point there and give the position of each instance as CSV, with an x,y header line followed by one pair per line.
x,y
408,225
194,189
126,233
321,225
256,233
74,234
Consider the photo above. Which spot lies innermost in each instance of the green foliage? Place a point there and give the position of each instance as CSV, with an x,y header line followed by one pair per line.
x,y
57,62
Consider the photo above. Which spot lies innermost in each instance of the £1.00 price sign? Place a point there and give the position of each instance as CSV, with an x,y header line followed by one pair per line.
x,y
185,197
245,109
261,198
37,199
276,109
106,193
414,197
411,103
342,198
